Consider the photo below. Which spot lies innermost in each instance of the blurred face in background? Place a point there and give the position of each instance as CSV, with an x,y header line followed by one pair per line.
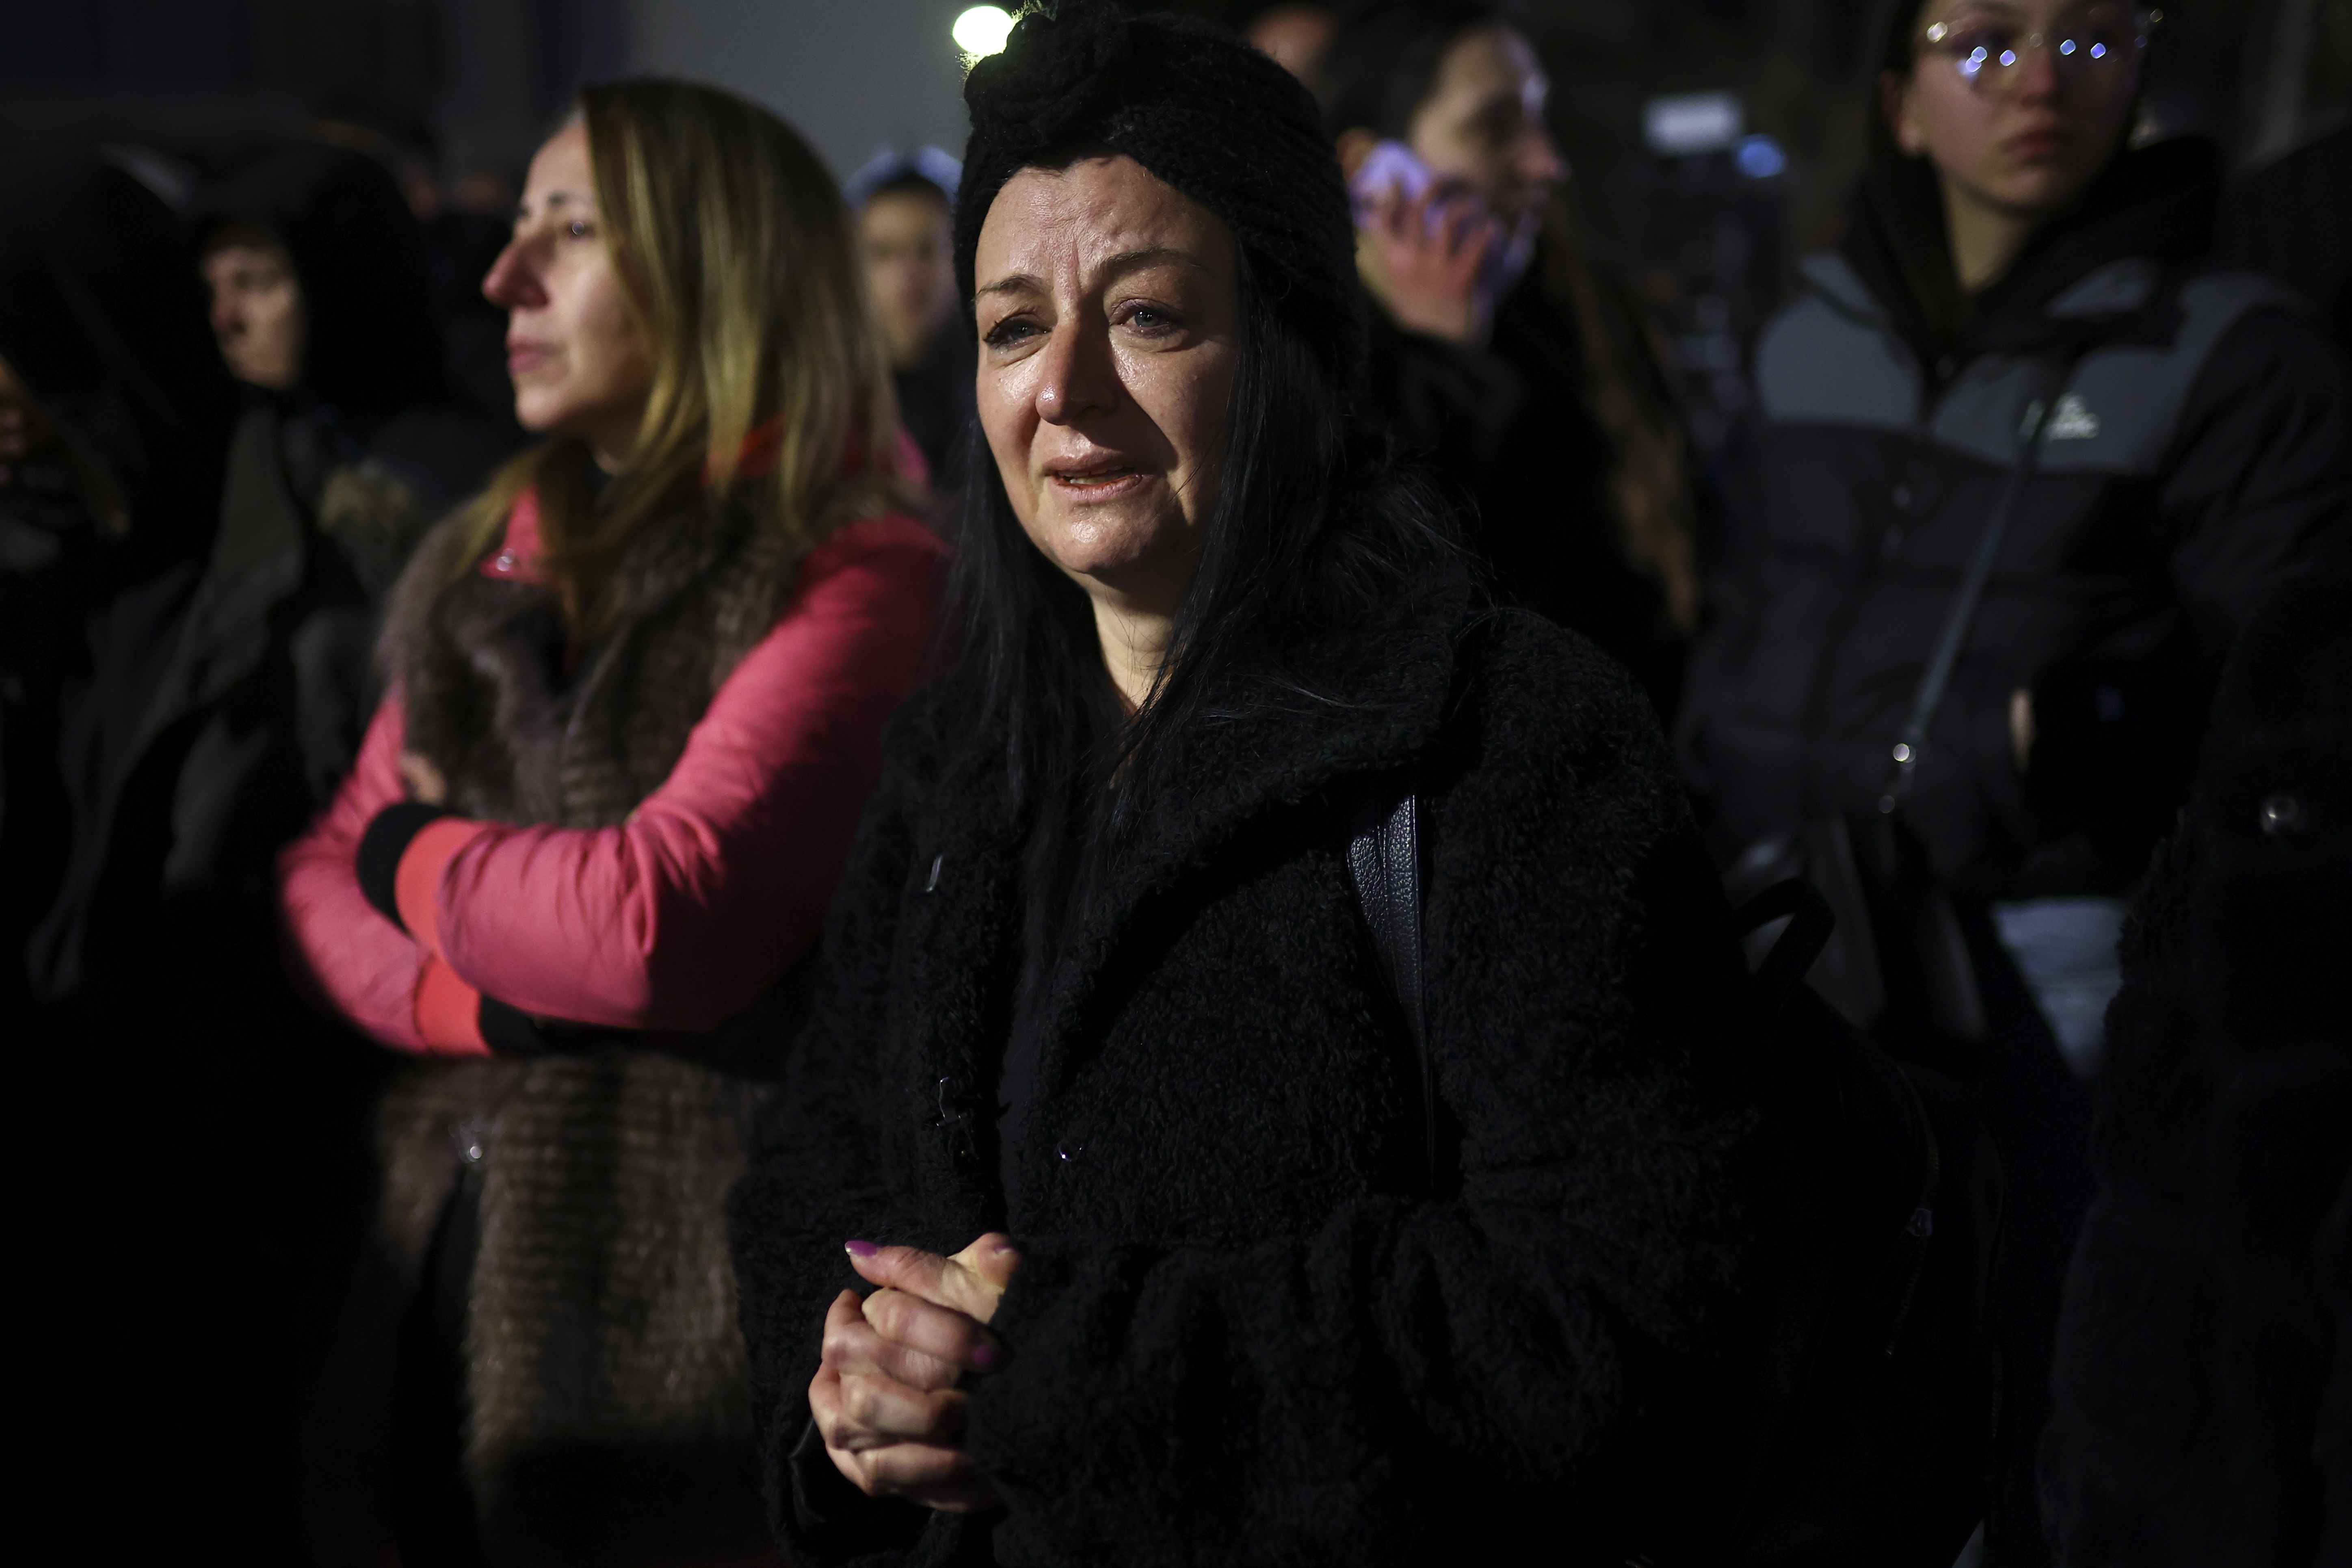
x,y
1294,37
1483,123
575,349
23,433
2019,103
36,458
256,306
904,238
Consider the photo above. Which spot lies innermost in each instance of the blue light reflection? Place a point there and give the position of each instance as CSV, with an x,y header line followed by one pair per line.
x,y
1759,157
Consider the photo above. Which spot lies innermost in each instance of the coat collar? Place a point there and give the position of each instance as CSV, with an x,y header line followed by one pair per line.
x,y
1385,690
1276,750
2092,273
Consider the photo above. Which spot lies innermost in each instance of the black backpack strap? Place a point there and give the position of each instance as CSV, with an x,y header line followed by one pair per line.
x,y
1810,921
1384,862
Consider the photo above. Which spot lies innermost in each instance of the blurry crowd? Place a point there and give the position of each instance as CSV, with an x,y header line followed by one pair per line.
x,y
445,664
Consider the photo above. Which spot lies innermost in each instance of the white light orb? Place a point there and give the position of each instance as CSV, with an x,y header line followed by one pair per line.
x,y
982,31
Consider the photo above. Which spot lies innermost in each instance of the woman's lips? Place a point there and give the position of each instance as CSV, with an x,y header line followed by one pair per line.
x,y
1096,483
524,357
2031,146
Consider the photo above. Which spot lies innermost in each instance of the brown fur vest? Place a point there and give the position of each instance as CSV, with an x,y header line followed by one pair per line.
x,y
608,1395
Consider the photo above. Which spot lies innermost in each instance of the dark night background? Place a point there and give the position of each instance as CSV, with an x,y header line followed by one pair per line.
x,y
197,84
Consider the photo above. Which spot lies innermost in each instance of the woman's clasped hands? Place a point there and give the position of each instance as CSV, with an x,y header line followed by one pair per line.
x,y
885,1398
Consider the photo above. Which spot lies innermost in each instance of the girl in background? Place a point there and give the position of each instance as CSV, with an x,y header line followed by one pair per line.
x,y
2021,309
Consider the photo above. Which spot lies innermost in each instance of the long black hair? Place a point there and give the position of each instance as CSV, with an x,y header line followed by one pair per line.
x,y
1314,543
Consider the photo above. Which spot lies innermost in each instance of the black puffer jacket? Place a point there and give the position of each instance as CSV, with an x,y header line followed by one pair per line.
x,y
1244,1333
2195,446
2204,1369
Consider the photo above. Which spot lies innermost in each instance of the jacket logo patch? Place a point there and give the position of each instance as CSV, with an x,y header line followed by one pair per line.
x,y
2073,420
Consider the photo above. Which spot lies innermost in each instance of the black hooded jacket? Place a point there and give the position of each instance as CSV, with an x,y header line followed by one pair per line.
x,y
373,449
103,533
370,346
149,623
225,697
2196,439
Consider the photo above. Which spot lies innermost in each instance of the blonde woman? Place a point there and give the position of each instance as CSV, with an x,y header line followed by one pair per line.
x,y
637,691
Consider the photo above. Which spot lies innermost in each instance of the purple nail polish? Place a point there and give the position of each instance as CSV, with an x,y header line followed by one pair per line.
x,y
986,1357
862,1248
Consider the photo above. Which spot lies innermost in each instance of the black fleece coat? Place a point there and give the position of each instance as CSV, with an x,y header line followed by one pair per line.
x,y
1244,1330
2203,1380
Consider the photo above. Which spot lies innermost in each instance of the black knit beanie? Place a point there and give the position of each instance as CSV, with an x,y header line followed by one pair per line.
x,y
1201,110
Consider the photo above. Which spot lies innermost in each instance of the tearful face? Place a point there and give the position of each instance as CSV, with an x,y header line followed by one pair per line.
x,y
1108,310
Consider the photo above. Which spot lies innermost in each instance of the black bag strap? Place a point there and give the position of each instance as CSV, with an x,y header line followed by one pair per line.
x,y
1384,862
1946,655
1810,921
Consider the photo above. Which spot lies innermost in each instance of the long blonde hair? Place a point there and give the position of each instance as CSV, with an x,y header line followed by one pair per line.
x,y
734,251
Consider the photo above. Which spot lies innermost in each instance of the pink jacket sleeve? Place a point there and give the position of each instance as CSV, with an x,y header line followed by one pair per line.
x,y
365,965
679,918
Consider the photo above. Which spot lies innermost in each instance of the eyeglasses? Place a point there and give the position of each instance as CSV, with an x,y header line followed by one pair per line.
x,y
2096,43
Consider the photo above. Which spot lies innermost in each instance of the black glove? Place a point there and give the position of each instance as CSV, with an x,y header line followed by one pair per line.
x,y
387,838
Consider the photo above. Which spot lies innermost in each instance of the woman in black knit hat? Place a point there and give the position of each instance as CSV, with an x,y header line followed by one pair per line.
x,y
1111,1211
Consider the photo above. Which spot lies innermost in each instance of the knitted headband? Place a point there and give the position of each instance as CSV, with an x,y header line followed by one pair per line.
x,y
1203,111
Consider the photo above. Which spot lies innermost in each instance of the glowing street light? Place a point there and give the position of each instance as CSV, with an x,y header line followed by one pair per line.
x,y
981,30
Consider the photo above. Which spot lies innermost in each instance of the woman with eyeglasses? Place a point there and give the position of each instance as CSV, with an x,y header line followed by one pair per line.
x,y
2017,358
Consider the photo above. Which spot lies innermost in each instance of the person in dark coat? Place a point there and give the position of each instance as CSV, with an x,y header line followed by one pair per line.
x,y
145,691
2203,1380
324,303
1523,370
115,414
2283,220
1106,1087
905,203
2011,258
201,754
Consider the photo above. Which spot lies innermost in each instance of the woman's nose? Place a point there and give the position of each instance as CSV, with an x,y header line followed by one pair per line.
x,y
1540,161
512,281
2037,74
1077,375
